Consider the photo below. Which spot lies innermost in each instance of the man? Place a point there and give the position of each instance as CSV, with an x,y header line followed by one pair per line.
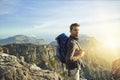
x,y
74,53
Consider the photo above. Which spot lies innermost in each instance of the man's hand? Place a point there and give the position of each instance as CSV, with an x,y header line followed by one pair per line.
x,y
81,54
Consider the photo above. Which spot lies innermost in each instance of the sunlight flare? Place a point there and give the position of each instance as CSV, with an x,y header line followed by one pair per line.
x,y
112,43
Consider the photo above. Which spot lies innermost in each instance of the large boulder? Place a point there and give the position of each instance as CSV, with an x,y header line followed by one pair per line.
x,y
116,69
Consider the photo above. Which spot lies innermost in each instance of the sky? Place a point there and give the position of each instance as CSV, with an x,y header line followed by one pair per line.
x,y
48,18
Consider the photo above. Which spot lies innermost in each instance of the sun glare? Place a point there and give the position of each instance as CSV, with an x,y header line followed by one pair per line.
x,y
112,43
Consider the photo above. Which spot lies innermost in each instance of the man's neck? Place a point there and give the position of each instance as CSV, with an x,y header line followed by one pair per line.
x,y
74,37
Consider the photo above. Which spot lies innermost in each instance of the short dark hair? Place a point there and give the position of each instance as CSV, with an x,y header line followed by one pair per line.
x,y
74,25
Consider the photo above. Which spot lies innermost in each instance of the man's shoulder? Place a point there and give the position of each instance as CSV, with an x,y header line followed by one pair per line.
x,y
71,41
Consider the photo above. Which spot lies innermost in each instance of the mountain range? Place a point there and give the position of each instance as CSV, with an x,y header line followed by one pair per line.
x,y
22,39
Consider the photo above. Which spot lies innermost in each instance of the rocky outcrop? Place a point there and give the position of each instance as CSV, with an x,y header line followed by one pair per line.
x,y
44,56
116,69
12,68
1,50
37,54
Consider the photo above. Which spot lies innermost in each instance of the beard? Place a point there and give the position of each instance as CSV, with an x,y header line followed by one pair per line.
x,y
76,35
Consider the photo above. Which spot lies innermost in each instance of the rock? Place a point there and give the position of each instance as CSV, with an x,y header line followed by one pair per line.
x,y
5,50
31,52
12,68
1,50
116,69
41,55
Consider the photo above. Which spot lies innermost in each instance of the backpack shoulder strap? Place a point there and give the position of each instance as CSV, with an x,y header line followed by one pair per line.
x,y
78,44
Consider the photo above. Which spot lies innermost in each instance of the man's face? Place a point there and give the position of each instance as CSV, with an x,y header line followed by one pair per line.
x,y
75,31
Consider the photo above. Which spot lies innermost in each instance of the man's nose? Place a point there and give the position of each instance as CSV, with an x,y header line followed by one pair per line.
x,y
77,32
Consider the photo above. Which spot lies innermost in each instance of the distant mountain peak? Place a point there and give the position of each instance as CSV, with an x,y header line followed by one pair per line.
x,y
20,35
22,39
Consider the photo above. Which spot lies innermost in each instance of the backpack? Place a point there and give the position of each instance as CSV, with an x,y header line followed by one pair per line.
x,y
62,40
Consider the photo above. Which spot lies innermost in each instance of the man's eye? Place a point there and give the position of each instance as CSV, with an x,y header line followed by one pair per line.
x,y
76,30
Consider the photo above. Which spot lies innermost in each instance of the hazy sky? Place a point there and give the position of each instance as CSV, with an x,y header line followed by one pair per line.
x,y
48,18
